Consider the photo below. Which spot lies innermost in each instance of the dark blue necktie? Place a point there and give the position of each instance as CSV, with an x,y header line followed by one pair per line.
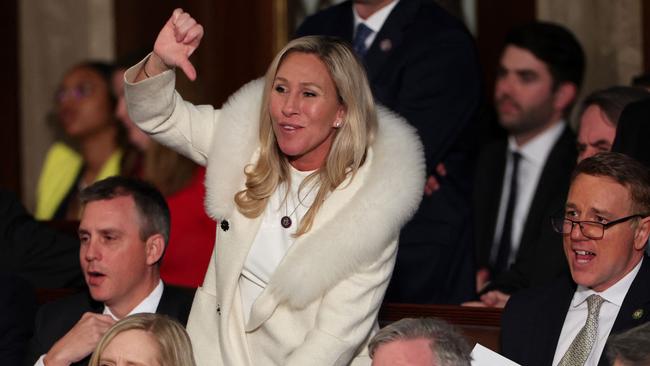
x,y
359,42
505,243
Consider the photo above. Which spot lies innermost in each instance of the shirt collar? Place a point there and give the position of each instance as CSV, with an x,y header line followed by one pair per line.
x,y
539,147
615,294
148,305
376,20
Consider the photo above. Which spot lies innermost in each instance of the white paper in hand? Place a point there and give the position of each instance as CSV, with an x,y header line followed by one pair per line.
x,y
483,356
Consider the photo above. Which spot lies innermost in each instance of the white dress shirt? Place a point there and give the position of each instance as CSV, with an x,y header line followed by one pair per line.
x,y
533,158
148,305
375,21
272,240
577,316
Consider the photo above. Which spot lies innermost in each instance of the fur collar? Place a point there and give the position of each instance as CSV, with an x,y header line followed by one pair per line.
x,y
364,225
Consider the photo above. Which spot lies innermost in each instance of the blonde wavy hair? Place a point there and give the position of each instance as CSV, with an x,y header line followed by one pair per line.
x,y
351,139
173,342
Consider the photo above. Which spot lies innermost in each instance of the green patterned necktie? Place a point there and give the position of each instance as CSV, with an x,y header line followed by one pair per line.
x,y
582,344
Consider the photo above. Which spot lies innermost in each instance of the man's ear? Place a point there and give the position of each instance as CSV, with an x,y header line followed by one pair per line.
x,y
642,233
155,247
565,94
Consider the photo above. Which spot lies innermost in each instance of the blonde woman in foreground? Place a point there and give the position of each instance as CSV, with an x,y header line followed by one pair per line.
x,y
144,339
310,183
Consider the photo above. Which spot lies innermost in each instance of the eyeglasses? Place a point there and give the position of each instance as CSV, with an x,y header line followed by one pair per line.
x,y
77,92
591,229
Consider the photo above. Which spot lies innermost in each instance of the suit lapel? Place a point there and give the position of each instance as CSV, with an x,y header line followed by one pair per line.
x,y
390,36
552,320
345,13
637,298
635,309
555,176
176,303
490,181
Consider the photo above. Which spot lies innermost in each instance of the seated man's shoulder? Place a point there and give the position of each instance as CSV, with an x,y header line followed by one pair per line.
x,y
184,294
176,302
528,308
66,310
538,295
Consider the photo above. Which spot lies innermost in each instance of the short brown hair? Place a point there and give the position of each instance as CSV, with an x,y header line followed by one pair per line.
x,y
613,100
624,170
149,202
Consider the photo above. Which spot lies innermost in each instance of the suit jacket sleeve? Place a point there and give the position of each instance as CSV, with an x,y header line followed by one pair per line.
x,y
38,345
44,257
439,93
347,316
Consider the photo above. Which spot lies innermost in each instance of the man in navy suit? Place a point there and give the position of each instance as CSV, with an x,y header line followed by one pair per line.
x,y
123,233
422,64
605,227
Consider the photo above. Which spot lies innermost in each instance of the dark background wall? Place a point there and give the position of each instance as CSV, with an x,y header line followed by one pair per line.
x,y
241,38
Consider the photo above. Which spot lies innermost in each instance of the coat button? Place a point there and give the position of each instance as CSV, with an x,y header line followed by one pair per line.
x,y
225,225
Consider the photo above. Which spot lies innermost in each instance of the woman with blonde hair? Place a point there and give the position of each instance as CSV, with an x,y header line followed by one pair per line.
x,y
144,339
311,183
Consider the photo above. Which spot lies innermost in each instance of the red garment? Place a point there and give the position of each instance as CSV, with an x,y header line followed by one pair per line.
x,y
192,235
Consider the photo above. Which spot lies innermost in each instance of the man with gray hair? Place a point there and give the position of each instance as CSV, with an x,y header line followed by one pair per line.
x,y
630,348
419,342
599,115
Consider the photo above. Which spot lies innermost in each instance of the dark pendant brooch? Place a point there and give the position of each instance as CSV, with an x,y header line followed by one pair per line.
x,y
285,221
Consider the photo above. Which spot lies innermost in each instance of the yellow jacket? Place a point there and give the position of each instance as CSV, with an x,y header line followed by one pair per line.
x,y
60,170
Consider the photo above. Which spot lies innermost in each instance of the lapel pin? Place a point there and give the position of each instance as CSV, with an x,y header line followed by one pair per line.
x,y
385,45
637,314
225,225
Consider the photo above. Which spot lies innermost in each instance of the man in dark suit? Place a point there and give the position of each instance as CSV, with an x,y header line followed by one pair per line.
x,y
522,180
123,232
422,64
633,131
605,228
599,115
28,248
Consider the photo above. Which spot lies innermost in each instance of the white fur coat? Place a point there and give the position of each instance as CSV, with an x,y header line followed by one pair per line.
x,y
320,305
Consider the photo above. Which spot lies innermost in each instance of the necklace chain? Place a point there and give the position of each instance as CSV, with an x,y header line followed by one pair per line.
x,y
285,221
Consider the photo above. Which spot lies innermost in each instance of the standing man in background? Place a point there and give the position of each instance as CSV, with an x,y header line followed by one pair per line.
x,y
422,64
523,179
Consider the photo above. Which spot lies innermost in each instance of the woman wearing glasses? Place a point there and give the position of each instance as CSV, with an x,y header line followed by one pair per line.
x,y
89,150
